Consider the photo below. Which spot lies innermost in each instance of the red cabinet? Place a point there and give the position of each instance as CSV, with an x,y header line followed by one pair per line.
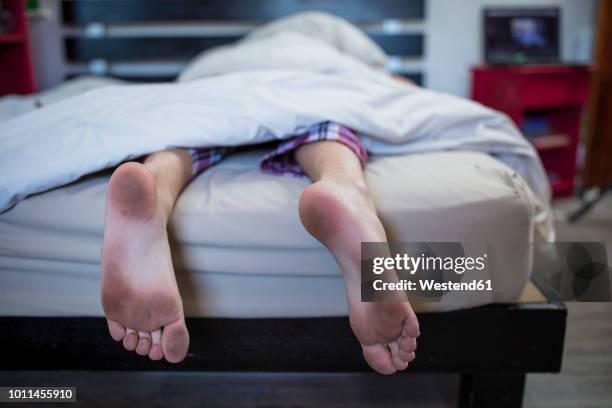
x,y
546,103
16,74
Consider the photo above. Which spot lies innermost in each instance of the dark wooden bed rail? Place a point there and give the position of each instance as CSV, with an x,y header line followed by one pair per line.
x,y
493,347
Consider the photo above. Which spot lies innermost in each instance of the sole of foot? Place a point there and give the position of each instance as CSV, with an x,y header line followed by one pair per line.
x,y
341,216
140,296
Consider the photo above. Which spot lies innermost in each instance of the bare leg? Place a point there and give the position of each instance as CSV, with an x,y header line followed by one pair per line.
x,y
337,210
140,296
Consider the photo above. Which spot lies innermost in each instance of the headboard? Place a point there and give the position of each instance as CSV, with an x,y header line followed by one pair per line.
x,y
151,40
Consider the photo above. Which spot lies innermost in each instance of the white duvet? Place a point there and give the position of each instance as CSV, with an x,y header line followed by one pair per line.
x,y
270,88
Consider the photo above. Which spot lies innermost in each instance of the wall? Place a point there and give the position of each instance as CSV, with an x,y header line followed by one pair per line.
x,y
46,43
453,36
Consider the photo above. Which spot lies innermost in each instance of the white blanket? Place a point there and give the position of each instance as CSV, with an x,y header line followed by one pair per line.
x,y
284,83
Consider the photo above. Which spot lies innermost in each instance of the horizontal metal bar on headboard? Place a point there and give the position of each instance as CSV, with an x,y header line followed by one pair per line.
x,y
192,29
404,65
87,11
126,69
170,29
156,69
85,49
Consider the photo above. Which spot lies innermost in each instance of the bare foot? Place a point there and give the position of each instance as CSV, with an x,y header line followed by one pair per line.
x,y
140,296
342,216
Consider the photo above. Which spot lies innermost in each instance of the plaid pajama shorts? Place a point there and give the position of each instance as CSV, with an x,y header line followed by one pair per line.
x,y
281,160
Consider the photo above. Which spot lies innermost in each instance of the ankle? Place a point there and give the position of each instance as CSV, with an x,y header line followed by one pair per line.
x,y
345,180
165,200
354,192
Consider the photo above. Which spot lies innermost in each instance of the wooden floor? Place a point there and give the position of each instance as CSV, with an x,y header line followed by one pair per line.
x,y
586,377
585,381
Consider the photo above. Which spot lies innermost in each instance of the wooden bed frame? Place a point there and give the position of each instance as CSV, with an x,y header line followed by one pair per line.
x,y
492,347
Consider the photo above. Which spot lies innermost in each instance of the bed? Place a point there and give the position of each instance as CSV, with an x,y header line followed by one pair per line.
x,y
240,250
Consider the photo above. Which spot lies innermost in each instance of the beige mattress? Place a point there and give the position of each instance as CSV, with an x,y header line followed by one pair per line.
x,y
238,245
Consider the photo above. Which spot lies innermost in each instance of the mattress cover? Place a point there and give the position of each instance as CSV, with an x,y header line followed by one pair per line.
x,y
239,248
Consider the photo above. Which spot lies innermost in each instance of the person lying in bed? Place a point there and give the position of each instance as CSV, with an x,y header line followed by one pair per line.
x,y
140,296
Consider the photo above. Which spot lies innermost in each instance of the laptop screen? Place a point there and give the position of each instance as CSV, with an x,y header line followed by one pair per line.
x,y
521,36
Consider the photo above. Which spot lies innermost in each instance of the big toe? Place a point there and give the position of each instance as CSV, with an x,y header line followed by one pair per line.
x,y
397,356
379,358
175,341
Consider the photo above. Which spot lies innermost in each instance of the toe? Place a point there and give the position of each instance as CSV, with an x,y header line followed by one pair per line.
x,y
144,343
408,344
175,341
407,357
378,357
411,326
156,352
117,331
399,363
130,340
